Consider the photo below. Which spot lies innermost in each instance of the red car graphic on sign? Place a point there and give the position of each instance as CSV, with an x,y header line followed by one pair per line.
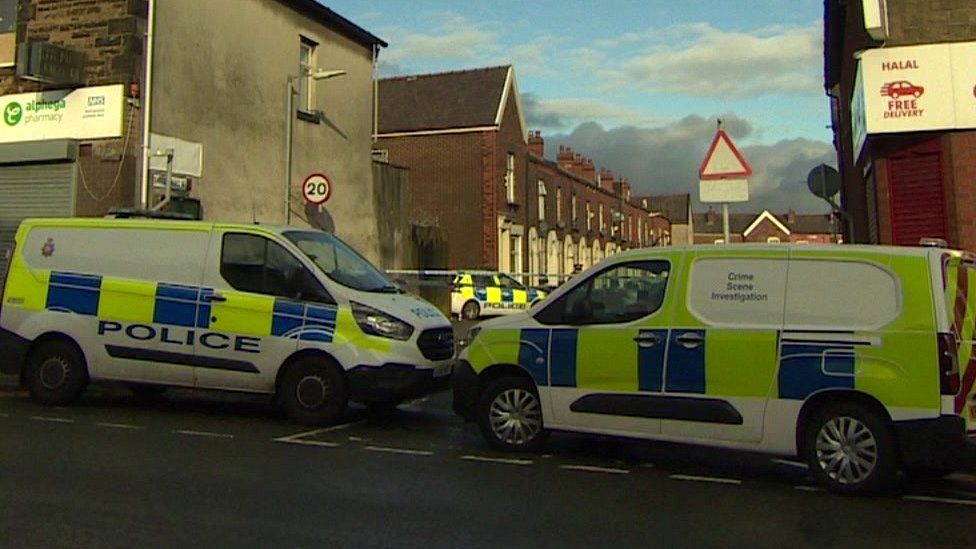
x,y
901,88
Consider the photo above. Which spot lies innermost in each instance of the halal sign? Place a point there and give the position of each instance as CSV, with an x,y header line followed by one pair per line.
x,y
317,189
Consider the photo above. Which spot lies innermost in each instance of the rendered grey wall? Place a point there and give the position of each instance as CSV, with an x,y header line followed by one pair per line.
x,y
220,74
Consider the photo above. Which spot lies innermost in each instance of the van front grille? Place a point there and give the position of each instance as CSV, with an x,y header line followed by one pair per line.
x,y
437,343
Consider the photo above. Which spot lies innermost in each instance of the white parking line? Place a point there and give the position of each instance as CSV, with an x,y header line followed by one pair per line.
x,y
203,434
593,469
970,502
808,488
696,478
314,432
301,442
404,451
507,461
52,419
120,426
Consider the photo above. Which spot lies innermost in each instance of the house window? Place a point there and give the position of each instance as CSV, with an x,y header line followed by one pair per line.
x,y
306,62
601,218
720,241
773,240
589,217
510,178
516,258
559,204
573,206
542,198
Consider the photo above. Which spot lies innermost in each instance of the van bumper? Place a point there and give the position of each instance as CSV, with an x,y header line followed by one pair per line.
x,y
939,443
13,352
466,390
393,382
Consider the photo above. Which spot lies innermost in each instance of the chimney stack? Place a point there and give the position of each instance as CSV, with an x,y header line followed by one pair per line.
x,y
565,158
536,144
577,164
791,216
710,216
589,170
606,179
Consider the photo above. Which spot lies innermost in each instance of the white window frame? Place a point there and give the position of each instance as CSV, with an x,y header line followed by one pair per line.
x,y
575,217
306,62
559,204
510,178
602,226
773,240
589,217
541,187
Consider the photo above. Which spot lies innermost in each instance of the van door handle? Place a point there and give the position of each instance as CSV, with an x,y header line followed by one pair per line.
x,y
214,297
646,341
690,340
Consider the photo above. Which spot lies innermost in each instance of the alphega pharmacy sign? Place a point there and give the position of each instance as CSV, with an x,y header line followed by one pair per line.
x,y
84,113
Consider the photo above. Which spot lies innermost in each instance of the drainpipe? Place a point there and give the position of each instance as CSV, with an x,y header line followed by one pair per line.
x,y
147,107
376,94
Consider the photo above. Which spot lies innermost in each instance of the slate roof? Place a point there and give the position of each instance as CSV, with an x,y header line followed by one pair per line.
x,y
329,18
458,99
739,222
673,206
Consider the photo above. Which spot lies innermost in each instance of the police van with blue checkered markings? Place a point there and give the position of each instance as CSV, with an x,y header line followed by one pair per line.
x,y
858,359
475,294
291,312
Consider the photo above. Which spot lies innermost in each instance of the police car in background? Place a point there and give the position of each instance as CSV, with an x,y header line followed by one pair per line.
x,y
482,293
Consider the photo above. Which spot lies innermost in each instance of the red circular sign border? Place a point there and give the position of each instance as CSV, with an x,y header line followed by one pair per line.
x,y
328,195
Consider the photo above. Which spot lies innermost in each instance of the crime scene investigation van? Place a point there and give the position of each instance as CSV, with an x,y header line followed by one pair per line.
x,y
291,312
847,356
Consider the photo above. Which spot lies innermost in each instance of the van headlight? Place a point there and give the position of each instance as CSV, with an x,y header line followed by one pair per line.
x,y
378,323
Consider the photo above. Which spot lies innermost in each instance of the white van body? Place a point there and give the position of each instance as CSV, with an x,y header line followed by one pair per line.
x,y
218,306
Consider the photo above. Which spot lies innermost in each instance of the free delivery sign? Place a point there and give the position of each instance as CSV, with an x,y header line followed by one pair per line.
x,y
84,113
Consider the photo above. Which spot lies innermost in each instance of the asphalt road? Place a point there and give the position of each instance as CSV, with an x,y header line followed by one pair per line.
x,y
200,469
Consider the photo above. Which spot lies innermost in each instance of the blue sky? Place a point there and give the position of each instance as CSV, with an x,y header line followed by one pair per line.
x,y
638,85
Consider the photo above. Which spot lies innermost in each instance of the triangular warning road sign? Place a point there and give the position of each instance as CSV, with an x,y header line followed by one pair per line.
x,y
723,160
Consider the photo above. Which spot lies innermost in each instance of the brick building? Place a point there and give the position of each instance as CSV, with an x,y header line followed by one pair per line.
x,y
479,175
899,74
222,74
676,208
767,227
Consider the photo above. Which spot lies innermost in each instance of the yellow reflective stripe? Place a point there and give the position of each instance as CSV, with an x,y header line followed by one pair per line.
x,y
520,296
603,363
127,300
465,280
243,313
494,294
26,286
467,292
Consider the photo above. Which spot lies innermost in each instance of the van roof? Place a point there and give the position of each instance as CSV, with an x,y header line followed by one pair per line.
x,y
833,248
150,223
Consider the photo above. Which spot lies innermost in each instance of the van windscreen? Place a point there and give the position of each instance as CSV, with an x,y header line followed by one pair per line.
x,y
339,262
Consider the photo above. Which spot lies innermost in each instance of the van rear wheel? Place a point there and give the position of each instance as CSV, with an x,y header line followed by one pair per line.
x,y
56,373
850,448
313,391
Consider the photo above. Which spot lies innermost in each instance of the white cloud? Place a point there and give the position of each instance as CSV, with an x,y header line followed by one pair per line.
x,y
701,60
555,114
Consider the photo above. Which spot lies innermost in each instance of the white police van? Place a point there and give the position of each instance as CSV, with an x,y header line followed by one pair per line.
x,y
291,312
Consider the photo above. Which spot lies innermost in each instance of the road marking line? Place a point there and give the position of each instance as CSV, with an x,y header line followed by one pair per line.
x,y
203,434
53,419
647,465
593,469
120,426
3,415
696,478
321,443
808,488
403,451
942,500
507,461
314,432
357,439
797,464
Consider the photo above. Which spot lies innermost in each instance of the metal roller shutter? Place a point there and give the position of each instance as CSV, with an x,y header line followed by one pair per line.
x,y
37,190
917,197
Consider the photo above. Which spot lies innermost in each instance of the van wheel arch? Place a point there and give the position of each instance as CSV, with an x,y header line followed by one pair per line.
x,y
75,374
48,337
501,370
822,399
299,355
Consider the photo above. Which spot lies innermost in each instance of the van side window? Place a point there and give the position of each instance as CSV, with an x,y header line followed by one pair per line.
x,y
621,293
251,263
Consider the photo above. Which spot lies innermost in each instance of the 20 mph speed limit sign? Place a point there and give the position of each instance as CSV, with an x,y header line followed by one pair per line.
x,y
317,188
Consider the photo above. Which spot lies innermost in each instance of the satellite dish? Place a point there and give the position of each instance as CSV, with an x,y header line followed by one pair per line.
x,y
823,181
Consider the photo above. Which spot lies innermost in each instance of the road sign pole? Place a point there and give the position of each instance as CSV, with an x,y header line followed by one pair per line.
x,y
725,221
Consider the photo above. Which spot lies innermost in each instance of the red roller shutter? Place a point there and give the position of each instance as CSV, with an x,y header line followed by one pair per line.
x,y
917,196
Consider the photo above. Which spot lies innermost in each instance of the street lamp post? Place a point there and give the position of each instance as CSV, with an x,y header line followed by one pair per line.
x,y
292,91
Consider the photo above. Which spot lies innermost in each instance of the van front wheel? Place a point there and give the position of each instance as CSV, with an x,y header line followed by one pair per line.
x,y
510,415
850,448
56,373
313,392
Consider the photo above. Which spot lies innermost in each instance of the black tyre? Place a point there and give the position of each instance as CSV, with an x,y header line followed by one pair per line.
x,y
850,448
56,373
471,310
510,415
313,391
